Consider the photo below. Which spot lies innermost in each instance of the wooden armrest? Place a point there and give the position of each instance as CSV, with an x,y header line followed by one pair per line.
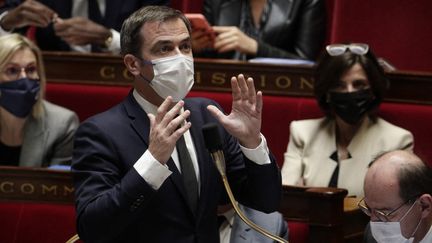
x,y
331,216
315,205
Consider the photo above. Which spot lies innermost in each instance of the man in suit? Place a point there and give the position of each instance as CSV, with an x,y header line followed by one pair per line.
x,y
234,230
79,25
398,199
141,171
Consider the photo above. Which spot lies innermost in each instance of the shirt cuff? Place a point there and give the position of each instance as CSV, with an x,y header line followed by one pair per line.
x,y
153,172
260,154
114,46
2,31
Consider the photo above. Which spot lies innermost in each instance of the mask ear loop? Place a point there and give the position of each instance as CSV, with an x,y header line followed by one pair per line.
x,y
418,224
145,62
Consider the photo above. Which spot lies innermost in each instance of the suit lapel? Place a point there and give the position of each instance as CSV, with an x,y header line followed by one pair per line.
x,y
34,144
325,140
141,125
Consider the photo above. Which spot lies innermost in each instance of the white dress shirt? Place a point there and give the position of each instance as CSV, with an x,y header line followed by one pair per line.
x,y
155,173
226,226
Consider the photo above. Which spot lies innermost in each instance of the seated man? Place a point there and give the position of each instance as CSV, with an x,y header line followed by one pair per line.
x,y
77,25
398,198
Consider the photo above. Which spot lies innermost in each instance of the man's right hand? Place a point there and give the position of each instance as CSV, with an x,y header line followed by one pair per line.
x,y
164,129
29,13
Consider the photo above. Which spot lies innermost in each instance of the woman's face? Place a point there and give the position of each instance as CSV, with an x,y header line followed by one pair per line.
x,y
23,64
354,79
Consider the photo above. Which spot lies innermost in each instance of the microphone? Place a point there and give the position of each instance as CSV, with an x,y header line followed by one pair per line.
x,y
214,144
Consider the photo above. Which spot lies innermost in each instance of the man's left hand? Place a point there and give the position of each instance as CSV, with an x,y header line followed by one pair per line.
x,y
244,121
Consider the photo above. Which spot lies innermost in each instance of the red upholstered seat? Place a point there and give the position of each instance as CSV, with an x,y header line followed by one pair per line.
x,y
298,232
415,118
36,222
396,31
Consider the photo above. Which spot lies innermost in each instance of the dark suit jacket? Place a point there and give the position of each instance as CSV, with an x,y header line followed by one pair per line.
x,y
115,204
116,12
295,29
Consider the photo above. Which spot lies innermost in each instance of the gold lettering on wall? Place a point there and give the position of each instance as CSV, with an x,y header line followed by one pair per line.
x,y
262,81
127,75
306,83
6,187
218,78
198,77
107,72
27,188
67,190
51,190
283,82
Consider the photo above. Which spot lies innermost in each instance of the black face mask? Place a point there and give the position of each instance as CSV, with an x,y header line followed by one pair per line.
x,y
351,107
19,96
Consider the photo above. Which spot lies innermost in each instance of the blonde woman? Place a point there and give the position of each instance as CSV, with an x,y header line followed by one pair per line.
x,y
33,132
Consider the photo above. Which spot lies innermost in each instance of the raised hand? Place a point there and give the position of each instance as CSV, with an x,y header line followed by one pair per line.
x,y
244,121
164,129
29,13
81,31
231,38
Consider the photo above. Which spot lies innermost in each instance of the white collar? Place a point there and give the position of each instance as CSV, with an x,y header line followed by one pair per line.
x,y
229,215
144,104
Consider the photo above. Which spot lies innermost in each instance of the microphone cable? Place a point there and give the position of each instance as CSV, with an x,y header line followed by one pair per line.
x,y
214,144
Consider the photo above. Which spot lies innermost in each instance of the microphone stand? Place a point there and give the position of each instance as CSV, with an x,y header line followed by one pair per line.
x,y
219,159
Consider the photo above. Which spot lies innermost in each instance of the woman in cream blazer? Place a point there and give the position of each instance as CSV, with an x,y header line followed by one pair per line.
x,y
336,150
312,143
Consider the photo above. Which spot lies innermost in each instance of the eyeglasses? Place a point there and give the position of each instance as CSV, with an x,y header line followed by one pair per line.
x,y
339,49
382,216
14,72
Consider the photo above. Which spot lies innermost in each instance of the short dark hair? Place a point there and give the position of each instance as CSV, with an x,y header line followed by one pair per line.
x,y
414,180
329,70
130,38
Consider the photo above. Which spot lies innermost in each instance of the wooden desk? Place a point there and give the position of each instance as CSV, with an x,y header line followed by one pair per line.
x,y
214,75
332,218
35,185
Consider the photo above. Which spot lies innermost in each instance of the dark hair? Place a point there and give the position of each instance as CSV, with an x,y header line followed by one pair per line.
x,y
329,70
130,38
414,180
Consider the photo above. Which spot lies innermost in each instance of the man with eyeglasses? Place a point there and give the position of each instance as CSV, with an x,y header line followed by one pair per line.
x,y
398,198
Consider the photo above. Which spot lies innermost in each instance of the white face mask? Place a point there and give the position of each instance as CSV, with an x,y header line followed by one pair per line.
x,y
173,76
390,232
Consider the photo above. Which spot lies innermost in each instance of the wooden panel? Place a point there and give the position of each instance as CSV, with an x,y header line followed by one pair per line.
x,y
214,75
331,216
35,184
